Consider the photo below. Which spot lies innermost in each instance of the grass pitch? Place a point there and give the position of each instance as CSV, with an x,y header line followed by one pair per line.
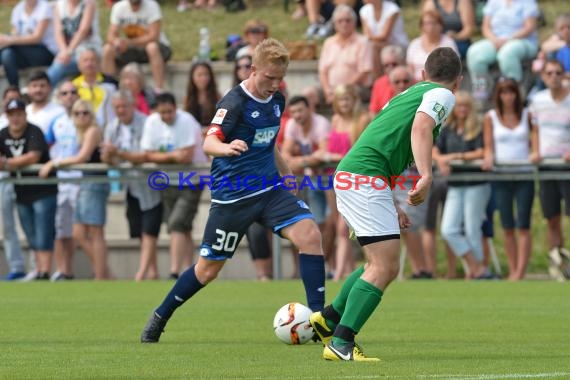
x,y
423,330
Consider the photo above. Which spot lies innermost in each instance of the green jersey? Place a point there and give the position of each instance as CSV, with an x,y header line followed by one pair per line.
x,y
385,148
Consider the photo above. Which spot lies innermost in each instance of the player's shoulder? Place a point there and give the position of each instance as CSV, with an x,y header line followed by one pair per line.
x,y
235,98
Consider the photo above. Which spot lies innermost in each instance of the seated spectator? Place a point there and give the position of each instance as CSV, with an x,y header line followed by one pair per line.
x,y
319,13
465,204
23,144
173,136
144,205
391,56
348,123
12,249
31,42
132,79
510,37
184,5
431,37
144,40
201,94
62,138
550,110
254,32
510,136
91,207
95,87
382,24
76,25
346,57
458,20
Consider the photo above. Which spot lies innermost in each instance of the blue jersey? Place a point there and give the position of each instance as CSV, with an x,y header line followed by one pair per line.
x,y
239,115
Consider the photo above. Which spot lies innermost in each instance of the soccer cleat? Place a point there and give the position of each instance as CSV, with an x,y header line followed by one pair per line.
x,y
12,276
349,352
153,329
559,264
322,331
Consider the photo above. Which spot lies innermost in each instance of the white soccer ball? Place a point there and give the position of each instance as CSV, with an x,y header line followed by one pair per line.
x,y
291,324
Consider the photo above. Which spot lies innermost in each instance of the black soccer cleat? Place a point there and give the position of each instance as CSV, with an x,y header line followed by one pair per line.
x,y
153,329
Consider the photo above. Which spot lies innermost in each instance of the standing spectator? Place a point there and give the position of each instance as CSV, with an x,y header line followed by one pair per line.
x,y
12,249
550,110
173,136
23,144
346,57
390,56
509,28
144,40
465,204
382,24
91,206
458,20
348,123
144,205
201,93
507,132
431,37
254,32
31,42
306,136
62,137
95,87
41,111
132,79
76,25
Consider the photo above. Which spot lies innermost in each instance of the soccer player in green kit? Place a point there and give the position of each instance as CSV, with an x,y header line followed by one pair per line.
x,y
402,133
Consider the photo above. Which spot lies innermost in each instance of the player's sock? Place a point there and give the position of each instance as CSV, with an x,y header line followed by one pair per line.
x,y
339,302
185,287
331,316
312,269
361,303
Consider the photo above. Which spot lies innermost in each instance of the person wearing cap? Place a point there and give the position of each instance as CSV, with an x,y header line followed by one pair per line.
x,y
23,144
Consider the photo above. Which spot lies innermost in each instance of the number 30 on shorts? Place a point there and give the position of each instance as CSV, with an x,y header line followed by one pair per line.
x,y
226,241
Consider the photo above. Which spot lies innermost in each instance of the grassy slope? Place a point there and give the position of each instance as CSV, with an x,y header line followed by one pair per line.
x,y
434,329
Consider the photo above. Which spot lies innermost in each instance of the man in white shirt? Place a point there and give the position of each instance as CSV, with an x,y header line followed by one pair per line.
x,y
550,111
172,136
143,41
41,111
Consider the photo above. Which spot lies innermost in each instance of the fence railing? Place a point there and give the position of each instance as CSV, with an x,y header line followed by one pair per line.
x,y
548,169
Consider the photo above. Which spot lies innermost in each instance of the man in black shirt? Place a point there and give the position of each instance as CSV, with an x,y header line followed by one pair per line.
x,y
23,144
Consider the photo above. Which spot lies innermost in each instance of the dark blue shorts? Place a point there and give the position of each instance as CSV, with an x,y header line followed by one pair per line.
x,y
227,223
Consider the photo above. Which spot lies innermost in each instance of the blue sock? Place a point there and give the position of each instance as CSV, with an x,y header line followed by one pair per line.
x,y
312,268
186,286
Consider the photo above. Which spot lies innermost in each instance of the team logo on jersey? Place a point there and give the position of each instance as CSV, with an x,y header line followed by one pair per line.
x,y
264,136
439,109
255,114
219,116
276,110
302,204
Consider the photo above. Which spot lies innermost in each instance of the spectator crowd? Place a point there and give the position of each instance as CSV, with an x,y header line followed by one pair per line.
x,y
92,104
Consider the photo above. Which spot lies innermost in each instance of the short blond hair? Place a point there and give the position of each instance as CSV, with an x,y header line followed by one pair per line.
x,y
271,51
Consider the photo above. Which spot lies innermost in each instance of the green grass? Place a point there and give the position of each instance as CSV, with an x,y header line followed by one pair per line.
x,y
476,330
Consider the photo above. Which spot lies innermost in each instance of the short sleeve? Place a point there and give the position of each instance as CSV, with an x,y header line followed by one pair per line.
x,y
115,10
530,9
190,125
438,104
490,8
228,114
154,12
147,135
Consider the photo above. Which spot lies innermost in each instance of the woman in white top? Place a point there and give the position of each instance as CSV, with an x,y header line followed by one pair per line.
x,y
509,137
76,25
31,42
382,24
431,37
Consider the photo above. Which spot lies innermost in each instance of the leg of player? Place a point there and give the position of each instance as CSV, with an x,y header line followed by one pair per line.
x,y
364,298
306,236
188,284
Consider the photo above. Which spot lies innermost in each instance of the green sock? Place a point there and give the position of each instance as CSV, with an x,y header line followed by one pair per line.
x,y
361,303
339,302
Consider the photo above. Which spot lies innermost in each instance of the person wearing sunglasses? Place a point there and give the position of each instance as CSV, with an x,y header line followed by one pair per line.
x,y
62,138
550,110
391,56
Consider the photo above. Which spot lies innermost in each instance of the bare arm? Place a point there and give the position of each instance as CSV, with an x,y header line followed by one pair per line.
x,y
24,160
422,143
177,156
84,27
488,144
534,150
467,15
528,28
152,35
113,33
31,39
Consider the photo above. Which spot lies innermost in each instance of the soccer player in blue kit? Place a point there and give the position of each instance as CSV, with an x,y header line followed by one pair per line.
x,y
242,141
